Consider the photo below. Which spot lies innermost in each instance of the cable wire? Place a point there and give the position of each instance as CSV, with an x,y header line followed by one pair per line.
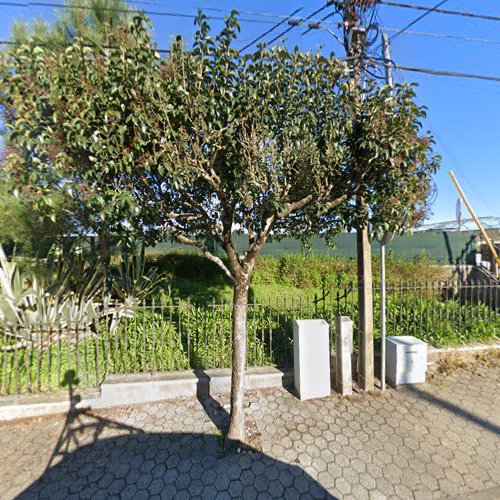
x,y
437,72
270,30
323,19
126,11
419,18
441,11
321,9
445,35
457,74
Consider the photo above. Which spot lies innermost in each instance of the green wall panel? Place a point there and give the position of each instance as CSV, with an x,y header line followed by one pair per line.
x,y
444,247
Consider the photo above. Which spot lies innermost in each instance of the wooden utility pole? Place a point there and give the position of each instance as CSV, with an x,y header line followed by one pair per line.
x,y
355,48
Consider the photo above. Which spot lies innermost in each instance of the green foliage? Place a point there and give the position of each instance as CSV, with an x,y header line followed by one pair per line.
x,y
62,144
23,225
37,310
197,278
305,272
278,142
442,323
131,284
92,21
66,292
54,212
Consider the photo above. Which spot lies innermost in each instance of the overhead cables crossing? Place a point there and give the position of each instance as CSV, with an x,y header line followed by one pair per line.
x,y
270,30
437,72
299,23
419,18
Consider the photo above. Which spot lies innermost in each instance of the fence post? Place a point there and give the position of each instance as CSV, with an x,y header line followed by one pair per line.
x,y
343,354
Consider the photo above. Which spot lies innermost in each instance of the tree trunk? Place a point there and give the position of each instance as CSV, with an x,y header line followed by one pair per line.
x,y
365,311
239,359
104,249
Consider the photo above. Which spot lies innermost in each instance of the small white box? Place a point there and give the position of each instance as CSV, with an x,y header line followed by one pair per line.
x,y
311,358
406,360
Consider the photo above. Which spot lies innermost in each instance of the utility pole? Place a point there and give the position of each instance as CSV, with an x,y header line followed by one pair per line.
x,y
355,47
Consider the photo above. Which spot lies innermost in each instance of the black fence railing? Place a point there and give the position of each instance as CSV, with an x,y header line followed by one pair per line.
x,y
164,335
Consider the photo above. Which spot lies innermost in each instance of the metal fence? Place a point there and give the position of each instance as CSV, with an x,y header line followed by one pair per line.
x,y
165,335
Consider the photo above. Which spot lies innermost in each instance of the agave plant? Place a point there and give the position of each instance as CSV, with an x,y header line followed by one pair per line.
x,y
131,284
41,310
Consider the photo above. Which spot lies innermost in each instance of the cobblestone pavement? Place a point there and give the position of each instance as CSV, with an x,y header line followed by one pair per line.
x,y
438,440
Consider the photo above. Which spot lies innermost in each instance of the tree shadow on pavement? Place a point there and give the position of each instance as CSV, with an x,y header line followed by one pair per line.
x,y
97,457
454,409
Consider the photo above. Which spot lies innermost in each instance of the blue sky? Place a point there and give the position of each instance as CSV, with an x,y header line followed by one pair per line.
x,y
463,115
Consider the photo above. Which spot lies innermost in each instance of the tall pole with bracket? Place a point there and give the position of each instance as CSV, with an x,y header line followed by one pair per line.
x,y
355,45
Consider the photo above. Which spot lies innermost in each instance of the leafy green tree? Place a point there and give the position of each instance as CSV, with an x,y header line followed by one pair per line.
x,y
23,225
205,142
92,21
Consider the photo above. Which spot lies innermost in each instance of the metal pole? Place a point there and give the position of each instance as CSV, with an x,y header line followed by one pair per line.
x,y
387,58
388,77
382,315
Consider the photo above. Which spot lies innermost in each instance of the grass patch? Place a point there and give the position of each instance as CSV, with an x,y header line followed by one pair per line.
x,y
289,277
220,436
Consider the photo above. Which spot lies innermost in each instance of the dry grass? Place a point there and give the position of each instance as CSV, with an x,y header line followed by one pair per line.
x,y
467,360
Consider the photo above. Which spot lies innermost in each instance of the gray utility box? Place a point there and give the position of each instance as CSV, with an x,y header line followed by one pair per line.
x,y
311,358
406,360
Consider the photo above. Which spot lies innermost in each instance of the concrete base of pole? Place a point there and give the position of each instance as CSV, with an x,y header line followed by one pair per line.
x,y
343,348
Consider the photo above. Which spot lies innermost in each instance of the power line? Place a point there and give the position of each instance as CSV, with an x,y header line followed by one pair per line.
x,y
419,18
321,9
441,11
456,74
126,11
429,71
445,35
323,19
270,30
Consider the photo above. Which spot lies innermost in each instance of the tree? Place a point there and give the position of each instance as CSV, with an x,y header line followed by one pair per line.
x,y
207,141
22,224
93,22
271,143
19,224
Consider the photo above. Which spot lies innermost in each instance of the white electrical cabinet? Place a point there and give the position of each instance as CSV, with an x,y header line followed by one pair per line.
x,y
406,360
311,358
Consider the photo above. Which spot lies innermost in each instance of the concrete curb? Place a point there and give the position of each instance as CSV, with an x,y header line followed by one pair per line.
x,y
134,388
434,354
118,390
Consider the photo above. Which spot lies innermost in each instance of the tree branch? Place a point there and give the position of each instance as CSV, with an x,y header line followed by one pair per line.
x,y
188,241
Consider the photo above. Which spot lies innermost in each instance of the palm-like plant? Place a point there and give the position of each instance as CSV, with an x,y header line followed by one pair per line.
x,y
41,310
132,284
